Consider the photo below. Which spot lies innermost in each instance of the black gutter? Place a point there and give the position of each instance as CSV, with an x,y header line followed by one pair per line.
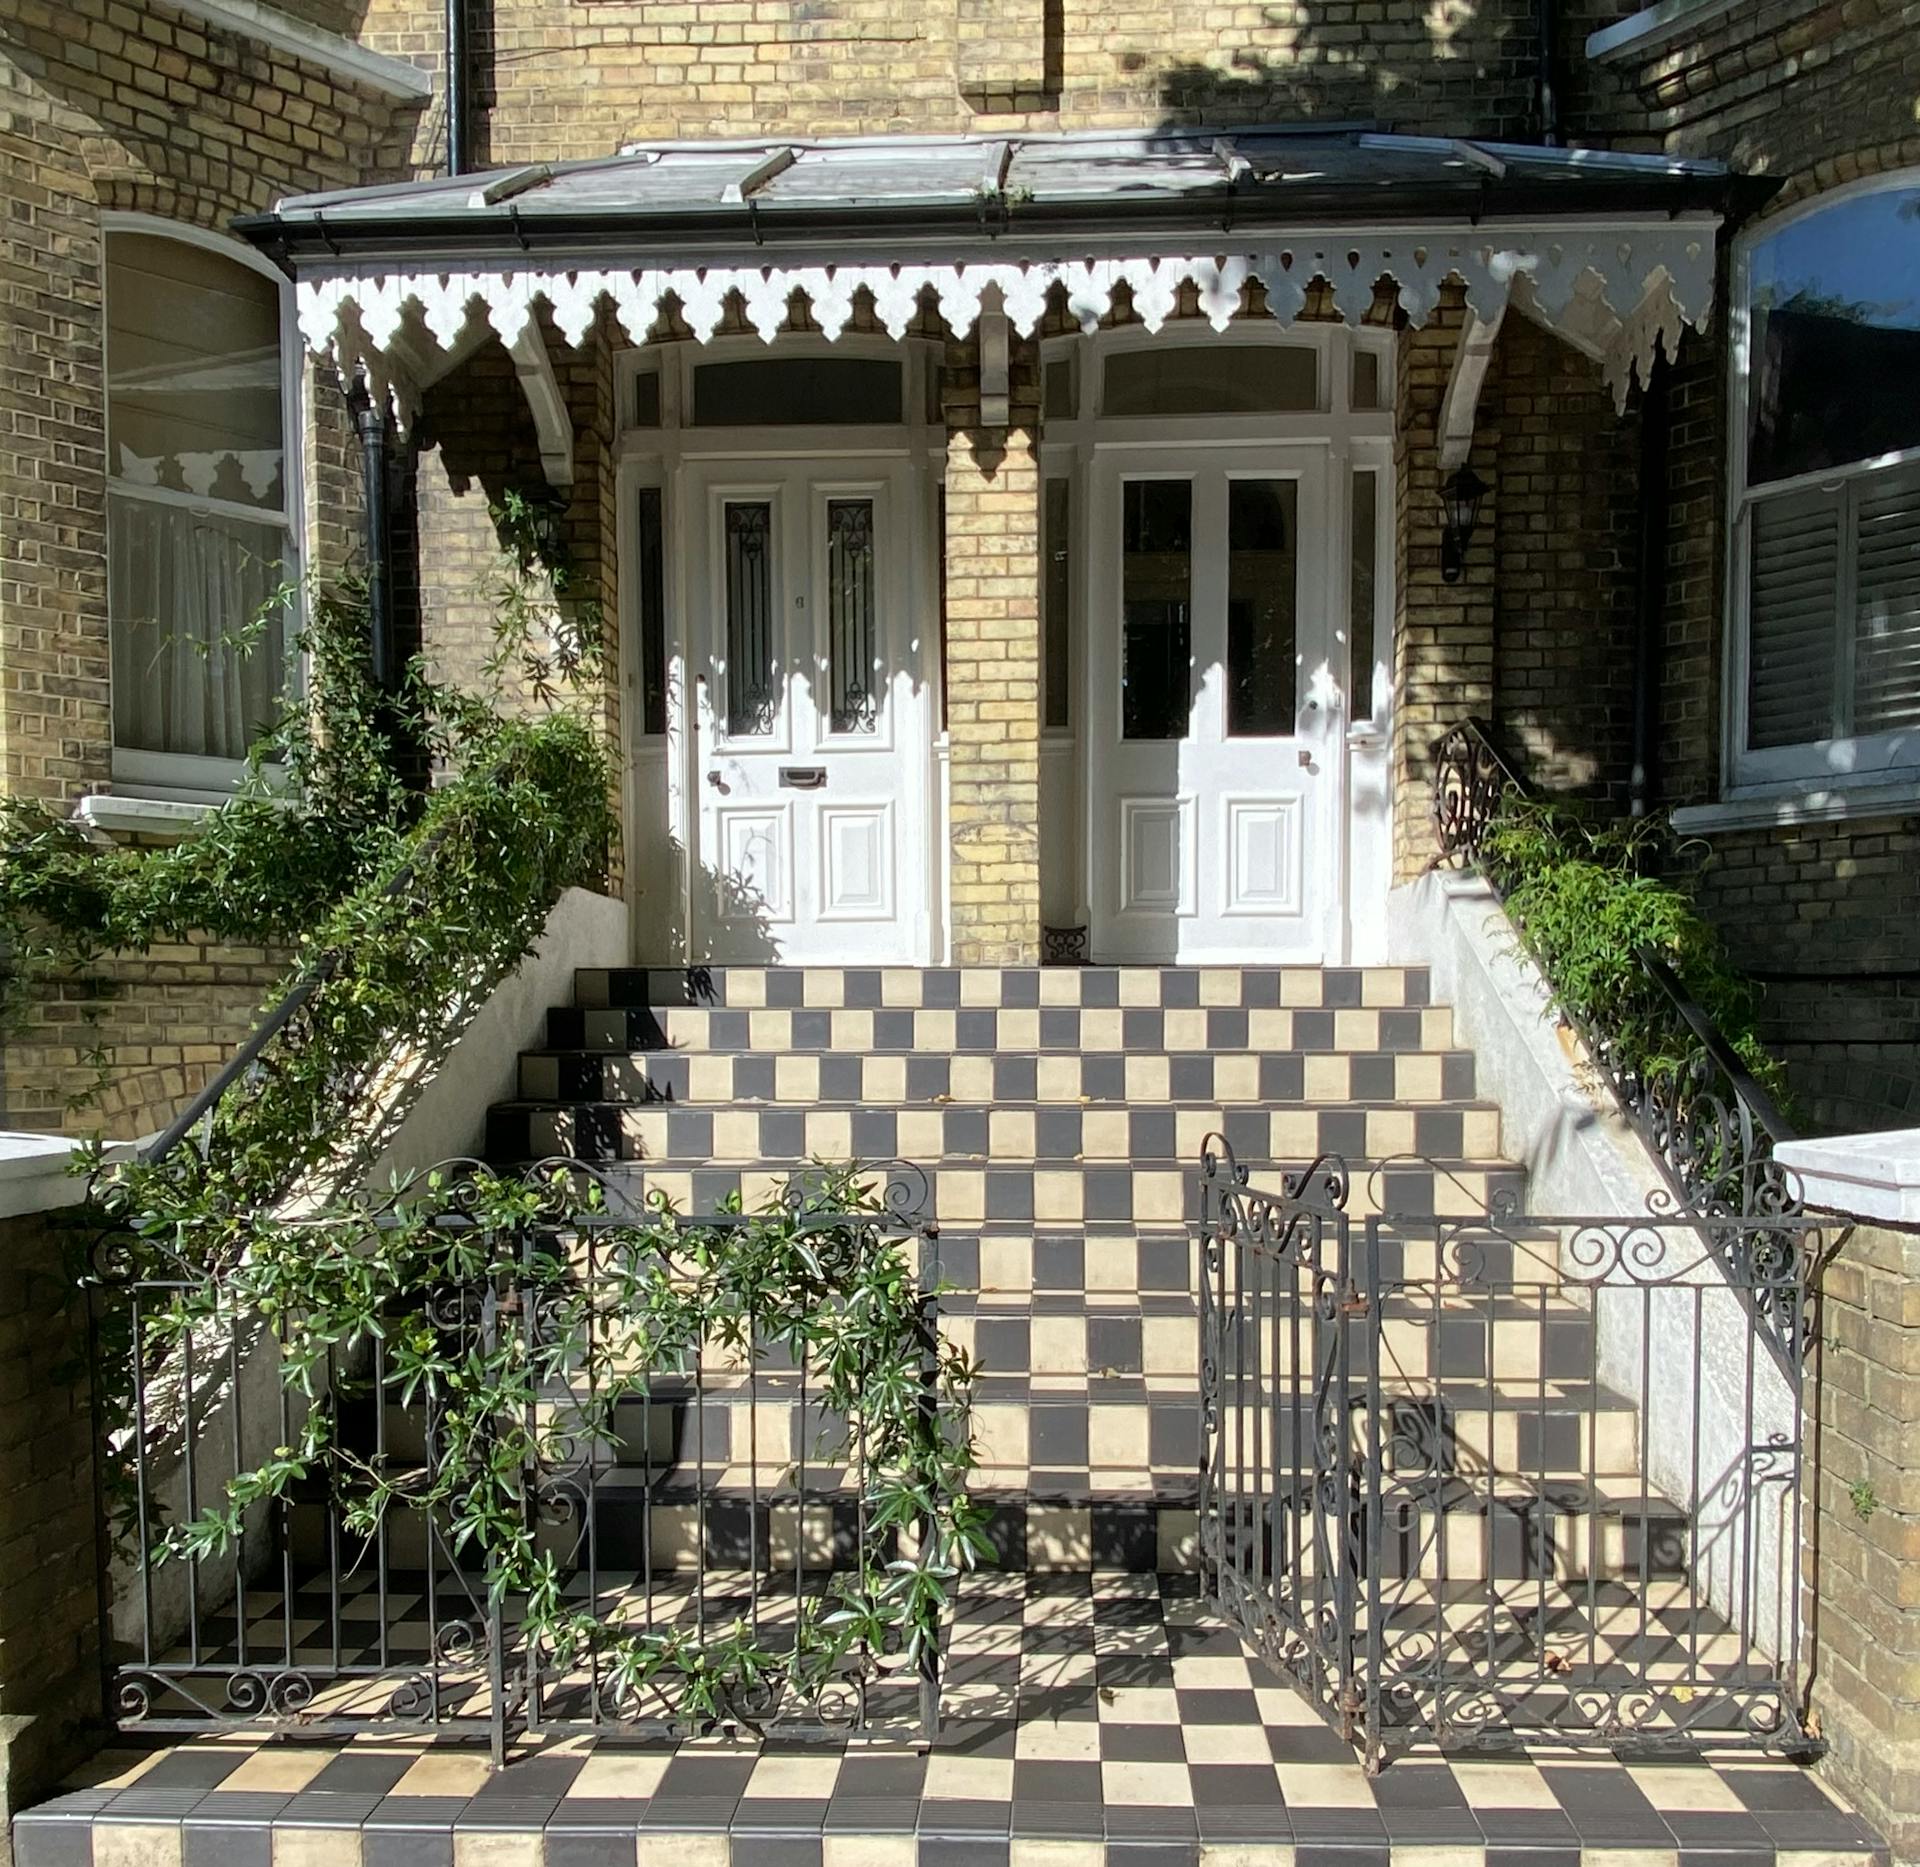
x,y
1656,422
459,59
423,237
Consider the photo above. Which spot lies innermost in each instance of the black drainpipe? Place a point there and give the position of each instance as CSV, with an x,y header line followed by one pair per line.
x,y
1547,100
458,65
1643,782
370,423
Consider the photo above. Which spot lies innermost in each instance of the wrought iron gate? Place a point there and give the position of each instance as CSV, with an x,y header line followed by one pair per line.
x,y
1480,1480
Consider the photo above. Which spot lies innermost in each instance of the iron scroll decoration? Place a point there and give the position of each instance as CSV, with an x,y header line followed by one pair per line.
x,y
1710,1126
1343,1488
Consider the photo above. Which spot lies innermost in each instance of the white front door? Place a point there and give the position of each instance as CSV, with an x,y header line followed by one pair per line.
x,y
810,749
1213,706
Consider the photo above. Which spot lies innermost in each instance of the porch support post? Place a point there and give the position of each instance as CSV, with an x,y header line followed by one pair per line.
x,y
993,679
1443,632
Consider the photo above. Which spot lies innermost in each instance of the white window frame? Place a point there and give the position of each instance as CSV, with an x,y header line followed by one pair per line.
x,y
179,775
1828,765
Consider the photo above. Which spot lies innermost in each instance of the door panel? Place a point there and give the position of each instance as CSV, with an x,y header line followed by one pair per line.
x,y
1212,700
811,766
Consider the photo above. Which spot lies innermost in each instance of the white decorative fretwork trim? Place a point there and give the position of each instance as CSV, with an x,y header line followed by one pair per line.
x,y
359,314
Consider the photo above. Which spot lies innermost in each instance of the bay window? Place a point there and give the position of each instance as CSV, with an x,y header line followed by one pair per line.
x,y
199,505
1826,563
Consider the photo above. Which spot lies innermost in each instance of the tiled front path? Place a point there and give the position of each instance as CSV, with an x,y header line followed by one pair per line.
x,y
1100,1720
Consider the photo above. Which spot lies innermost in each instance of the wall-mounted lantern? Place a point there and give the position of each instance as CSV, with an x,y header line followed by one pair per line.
x,y
1460,495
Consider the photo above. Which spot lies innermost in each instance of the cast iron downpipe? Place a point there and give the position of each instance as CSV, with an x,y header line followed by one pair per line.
x,y
1643,782
1548,90
370,423
458,63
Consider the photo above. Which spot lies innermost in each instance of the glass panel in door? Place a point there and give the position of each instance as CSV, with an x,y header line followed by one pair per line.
x,y
811,760
1212,688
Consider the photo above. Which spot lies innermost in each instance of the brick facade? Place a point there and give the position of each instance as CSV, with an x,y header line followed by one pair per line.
x,y
49,1552
1862,1613
106,110
1825,914
152,112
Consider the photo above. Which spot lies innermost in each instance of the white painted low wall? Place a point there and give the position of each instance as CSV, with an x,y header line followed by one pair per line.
x,y
449,1119
1686,1353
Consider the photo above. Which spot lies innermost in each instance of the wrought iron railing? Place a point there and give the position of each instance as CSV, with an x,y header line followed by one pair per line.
x,y
704,1508
1708,1122
1485,1480
280,1024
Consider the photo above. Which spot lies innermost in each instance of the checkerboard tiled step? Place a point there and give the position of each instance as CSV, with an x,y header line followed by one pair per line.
x,y
950,988
956,1134
1144,1077
1005,1031
1093,1720
977,1194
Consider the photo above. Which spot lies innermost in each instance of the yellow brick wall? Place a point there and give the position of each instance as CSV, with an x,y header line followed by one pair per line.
x,y
107,107
118,1048
579,77
1443,633
993,668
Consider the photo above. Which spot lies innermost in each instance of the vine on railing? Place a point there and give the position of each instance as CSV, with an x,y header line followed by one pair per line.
x,y
515,1326
1640,977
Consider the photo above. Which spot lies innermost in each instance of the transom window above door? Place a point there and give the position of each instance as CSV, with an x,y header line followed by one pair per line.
x,y
794,392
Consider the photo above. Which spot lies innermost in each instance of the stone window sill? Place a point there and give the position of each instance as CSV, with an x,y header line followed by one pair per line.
x,y
1782,810
1653,28
116,815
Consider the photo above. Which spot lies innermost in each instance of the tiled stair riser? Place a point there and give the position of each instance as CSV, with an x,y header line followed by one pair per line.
x,y
1057,1116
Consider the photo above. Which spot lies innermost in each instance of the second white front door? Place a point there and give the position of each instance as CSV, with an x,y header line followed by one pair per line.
x,y
811,769
1213,706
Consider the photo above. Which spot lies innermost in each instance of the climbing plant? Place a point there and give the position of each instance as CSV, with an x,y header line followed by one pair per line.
x,y
321,804
1586,896
597,1312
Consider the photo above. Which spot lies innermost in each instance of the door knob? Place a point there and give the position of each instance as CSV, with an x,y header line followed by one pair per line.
x,y
1306,760
719,783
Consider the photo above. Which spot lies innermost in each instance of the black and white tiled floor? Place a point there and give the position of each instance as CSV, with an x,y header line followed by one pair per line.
x,y
1092,1720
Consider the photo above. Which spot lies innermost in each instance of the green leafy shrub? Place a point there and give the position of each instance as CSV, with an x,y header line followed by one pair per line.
x,y
321,805
822,1274
1584,902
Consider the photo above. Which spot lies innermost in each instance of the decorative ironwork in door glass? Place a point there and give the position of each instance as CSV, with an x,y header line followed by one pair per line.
x,y
853,660
753,693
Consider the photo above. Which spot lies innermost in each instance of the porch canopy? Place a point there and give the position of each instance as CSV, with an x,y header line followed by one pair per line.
x,y
1614,251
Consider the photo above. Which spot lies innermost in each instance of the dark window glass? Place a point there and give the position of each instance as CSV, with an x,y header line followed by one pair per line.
x,y
1834,357
1209,379
752,693
653,614
1156,589
785,392
1057,590
853,666
1361,592
646,399
1262,579
1366,379
1057,404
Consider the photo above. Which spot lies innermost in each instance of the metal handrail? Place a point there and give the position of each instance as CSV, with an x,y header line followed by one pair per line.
x,y
315,974
1765,1111
1709,1123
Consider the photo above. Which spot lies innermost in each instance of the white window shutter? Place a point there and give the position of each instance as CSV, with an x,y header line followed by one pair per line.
x,y
1792,604
1886,620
